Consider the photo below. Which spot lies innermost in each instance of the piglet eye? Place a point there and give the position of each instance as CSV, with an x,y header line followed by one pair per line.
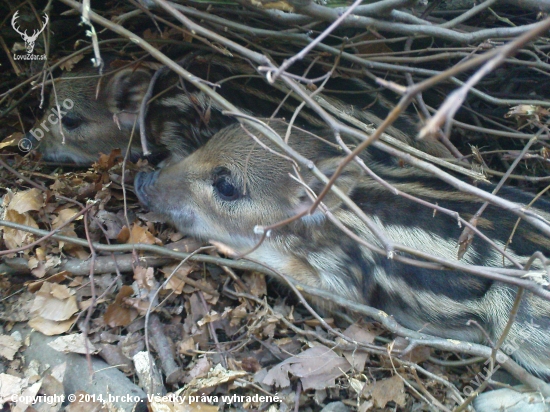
x,y
223,184
226,189
71,122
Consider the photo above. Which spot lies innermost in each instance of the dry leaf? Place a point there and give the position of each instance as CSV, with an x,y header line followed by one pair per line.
x,y
51,385
112,224
105,162
359,333
387,390
50,327
40,264
61,292
215,377
9,346
256,283
25,201
317,368
140,234
9,386
12,140
17,206
210,317
27,397
75,343
123,235
63,216
186,347
200,370
16,238
145,278
55,302
237,314
417,355
177,279
119,314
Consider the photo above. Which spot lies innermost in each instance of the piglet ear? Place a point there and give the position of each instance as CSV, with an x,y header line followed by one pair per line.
x,y
347,181
125,91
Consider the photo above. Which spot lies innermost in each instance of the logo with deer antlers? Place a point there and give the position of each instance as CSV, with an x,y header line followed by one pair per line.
x,y
29,40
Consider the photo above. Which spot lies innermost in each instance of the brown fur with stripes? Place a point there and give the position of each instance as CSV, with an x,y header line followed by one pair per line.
x,y
232,185
179,117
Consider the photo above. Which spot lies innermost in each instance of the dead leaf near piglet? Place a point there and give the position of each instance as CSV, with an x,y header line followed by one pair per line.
x,y
362,333
386,390
53,309
16,209
137,234
317,368
118,313
9,346
74,343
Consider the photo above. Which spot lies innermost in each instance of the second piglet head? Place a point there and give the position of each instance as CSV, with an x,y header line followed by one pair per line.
x,y
97,114
235,183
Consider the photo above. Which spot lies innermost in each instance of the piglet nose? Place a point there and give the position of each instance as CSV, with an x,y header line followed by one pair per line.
x,y
142,183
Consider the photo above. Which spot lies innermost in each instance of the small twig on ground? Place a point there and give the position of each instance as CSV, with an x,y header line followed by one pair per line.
x,y
172,371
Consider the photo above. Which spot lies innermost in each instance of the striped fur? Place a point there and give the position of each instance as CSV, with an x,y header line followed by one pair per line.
x,y
180,118
193,193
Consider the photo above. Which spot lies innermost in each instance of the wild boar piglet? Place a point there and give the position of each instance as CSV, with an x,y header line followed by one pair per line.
x,y
99,113
232,185
87,116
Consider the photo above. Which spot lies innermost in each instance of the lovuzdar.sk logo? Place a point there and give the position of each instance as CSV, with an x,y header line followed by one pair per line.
x,y
28,39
